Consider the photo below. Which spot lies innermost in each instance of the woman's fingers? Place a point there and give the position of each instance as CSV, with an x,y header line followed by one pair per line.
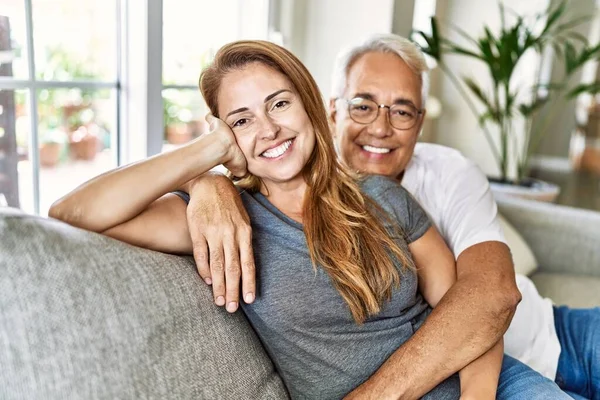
x,y
217,270
247,264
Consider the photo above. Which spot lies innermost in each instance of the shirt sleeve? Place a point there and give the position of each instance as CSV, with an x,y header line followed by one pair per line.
x,y
182,195
406,211
470,214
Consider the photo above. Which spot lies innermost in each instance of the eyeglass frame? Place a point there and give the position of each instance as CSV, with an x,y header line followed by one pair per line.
x,y
379,107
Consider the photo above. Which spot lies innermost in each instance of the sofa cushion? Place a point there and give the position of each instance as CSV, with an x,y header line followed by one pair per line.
x,y
567,289
85,316
523,258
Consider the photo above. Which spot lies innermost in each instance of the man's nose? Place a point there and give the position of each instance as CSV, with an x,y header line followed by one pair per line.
x,y
268,129
381,126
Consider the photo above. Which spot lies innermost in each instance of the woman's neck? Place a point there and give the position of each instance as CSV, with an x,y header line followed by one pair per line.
x,y
288,197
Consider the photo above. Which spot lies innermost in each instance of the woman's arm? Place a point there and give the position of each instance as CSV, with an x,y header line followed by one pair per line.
x,y
436,269
124,203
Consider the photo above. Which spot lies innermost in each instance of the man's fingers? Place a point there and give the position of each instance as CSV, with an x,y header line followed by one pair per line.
x,y
217,271
201,258
232,274
248,266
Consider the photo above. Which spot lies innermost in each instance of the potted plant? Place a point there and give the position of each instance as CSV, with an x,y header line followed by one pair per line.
x,y
83,131
507,104
177,119
52,141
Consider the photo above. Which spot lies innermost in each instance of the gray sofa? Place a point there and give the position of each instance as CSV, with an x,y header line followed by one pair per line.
x,y
566,244
83,316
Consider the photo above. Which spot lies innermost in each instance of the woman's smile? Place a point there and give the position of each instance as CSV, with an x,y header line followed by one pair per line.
x,y
277,152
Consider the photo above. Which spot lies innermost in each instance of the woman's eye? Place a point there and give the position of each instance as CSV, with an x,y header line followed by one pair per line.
x,y
281,104
240,122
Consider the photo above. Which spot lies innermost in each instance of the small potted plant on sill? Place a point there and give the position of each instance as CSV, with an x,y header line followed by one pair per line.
x,y
51,144
83,133
177,120
505,105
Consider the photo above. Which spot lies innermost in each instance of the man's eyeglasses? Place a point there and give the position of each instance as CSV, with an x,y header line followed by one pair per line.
x,y
365,111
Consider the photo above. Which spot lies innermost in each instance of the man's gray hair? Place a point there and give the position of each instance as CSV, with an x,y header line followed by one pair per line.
x,y
382,43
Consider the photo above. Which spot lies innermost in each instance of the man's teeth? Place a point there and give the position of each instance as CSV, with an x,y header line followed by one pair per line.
x,y
377,150
277,151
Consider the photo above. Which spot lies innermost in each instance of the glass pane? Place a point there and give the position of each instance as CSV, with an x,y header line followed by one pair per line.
x,y
183,113
194,30
13,40
15,127
75,137
75,40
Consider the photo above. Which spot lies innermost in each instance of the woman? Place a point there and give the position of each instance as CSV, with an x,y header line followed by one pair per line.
x,y
339,292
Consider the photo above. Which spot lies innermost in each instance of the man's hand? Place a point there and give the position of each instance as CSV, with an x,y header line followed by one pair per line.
x,y
222,239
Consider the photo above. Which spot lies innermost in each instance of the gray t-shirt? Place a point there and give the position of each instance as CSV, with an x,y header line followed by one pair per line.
x,y
303,322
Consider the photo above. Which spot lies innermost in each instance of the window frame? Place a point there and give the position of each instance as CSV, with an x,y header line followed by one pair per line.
x,y
32,85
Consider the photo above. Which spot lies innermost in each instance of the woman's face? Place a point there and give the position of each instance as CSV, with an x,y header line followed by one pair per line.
x,y
269,122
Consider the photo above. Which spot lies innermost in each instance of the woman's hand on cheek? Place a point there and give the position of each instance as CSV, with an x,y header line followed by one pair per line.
x,y
234,159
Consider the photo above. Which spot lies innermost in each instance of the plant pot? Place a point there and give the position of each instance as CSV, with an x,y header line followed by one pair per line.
x,y
528,188
49,154
179,133
83,143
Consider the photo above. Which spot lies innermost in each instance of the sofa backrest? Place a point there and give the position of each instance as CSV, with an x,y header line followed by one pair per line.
x,y
85,316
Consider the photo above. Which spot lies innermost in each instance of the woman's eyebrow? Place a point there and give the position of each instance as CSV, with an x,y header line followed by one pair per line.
x,y
269,97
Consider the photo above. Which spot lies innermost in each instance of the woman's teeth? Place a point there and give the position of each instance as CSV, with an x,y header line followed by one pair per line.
x,y
376,150
277,151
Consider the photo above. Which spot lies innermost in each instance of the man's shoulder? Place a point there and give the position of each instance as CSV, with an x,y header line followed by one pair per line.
x,y
440,165
437,157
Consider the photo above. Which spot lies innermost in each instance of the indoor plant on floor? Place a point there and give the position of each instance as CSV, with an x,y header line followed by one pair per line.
x,y
505,104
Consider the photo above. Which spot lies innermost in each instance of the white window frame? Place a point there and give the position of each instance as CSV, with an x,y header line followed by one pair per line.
x,y
139,125
32,85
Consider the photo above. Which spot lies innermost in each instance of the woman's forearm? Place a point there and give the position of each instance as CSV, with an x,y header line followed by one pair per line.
x,y
479,380
121,194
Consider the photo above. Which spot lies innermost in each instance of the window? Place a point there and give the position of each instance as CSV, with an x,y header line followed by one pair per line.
x,y
83,83
58,97
192,33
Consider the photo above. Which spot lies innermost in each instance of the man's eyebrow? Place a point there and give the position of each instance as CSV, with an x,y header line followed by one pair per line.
x,y
404,101
269,97
399,100
364,95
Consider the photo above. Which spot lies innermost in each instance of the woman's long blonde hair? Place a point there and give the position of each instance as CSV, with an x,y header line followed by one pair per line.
x,y
343,234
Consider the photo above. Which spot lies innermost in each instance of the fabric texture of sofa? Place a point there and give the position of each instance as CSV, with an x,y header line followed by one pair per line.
x,y
84,316
566,244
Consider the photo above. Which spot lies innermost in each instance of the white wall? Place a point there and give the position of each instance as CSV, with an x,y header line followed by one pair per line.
x,y
457,127
330,25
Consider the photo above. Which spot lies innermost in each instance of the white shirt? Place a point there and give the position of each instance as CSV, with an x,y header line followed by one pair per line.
x,y
456,195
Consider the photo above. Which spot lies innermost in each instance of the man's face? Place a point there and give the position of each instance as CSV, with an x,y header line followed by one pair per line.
x,y
377,147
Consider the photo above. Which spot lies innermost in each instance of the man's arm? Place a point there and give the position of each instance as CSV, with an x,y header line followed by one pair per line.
x,y
221,235
469,320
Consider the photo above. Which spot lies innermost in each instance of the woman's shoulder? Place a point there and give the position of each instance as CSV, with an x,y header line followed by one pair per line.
x,y
382,187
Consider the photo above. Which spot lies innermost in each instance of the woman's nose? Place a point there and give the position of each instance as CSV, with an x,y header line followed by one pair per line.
x,y
269,129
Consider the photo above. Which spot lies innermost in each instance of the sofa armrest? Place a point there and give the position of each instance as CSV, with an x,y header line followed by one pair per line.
x,y
563,239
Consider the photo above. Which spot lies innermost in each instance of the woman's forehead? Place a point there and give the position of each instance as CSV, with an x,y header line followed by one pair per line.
x,y
250,85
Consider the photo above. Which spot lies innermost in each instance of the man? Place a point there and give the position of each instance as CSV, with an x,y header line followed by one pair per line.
x,y
374,88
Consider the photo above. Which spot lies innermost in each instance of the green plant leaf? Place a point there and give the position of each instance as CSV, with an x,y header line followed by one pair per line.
x,y
553,16
591,88
482,97
527,110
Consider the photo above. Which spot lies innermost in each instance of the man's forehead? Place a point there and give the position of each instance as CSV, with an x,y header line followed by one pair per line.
x,y
382,75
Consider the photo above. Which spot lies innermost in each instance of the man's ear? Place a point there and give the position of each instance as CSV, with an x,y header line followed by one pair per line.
x,y
421,122
332,115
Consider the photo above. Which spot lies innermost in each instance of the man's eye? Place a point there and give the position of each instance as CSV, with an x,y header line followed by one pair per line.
x,y
240,122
